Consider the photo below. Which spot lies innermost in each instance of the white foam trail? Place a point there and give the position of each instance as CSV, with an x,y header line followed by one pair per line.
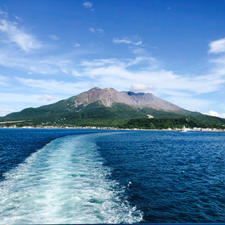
x,y
64,182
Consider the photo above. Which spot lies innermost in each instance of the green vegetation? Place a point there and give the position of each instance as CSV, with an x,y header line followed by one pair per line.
x,y
189,122
63,113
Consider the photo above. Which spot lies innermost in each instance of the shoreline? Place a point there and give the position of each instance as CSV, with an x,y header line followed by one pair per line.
x,y
184,130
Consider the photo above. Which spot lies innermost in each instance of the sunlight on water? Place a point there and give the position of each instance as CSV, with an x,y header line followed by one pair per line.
x,y
64,182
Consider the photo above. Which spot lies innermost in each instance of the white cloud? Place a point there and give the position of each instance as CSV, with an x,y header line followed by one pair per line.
x,y
3,80
92,29
54,37
148,74
32,99
218,68
189,102
76,73
23,40
145,74
46,98
41,63
54,86
4,112
3,13
139,51
126,41
217,46
100,62
76,45
88,4
96,30
214,113
12,102
17,17
141,88
46,64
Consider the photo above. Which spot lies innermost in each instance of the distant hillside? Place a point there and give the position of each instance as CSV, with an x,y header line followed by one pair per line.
x,y
108,107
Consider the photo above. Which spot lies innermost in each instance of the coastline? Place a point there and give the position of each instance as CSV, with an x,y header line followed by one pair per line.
x,y
184,130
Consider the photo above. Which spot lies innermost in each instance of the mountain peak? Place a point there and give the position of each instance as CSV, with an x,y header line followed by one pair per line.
x,y
100,89
110,96
95,88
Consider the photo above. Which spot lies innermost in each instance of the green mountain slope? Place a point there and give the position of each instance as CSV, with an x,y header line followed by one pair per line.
x,y
68,113
119,115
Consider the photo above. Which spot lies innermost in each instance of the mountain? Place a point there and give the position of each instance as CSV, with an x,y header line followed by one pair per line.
x,y
108,107
110,96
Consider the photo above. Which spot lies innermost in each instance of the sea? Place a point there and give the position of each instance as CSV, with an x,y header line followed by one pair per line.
x,y
97,176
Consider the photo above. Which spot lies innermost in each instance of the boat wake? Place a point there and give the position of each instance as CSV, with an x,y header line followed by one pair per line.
x,y
64,182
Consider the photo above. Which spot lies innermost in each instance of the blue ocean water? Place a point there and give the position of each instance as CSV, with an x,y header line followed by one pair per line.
x,y
91,176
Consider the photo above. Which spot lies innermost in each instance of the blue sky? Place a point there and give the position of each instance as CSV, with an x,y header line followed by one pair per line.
x,y
54,49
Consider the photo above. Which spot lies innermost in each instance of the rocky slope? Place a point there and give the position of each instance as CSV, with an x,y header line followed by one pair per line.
x,y
110,96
